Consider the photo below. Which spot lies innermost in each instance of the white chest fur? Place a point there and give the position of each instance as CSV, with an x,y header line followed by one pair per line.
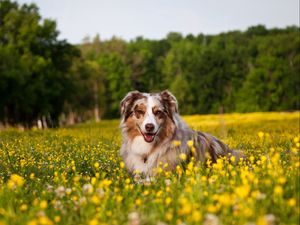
x,y
138,156
140,147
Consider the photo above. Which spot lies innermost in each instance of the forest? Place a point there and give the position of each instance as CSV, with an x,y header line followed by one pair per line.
x,y
43,78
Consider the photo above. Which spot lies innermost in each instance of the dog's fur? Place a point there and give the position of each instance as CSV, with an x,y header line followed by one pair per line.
x,y
143,150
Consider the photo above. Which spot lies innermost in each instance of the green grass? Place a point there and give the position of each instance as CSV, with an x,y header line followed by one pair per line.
x,y
75,176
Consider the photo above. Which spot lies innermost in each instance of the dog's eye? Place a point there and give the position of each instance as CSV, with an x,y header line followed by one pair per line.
x,y
158,113
140,112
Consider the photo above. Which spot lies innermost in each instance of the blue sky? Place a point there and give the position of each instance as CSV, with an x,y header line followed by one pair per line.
x,y
153,19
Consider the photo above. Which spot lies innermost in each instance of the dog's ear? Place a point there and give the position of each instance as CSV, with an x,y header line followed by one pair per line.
x,y
169,101
128,101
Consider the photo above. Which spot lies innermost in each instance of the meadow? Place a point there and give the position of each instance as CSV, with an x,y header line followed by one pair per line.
x,y
74,175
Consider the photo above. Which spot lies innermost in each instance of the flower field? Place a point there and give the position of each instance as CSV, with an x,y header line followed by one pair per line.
x,y
75,176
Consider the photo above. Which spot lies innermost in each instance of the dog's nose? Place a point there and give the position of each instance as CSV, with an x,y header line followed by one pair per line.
x,y
149,127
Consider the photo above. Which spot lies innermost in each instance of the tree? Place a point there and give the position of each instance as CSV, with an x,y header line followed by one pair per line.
x,y
35,78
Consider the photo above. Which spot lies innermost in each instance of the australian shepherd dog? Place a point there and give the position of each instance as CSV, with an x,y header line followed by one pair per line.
x,y
151,124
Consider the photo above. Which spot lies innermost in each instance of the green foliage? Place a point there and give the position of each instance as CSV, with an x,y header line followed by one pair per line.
x,y
255,70
34,67
40,76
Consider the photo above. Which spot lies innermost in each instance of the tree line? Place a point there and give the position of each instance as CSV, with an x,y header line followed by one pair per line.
x,y
46,79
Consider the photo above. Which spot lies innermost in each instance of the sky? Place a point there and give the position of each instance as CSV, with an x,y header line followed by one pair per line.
x,y
154,19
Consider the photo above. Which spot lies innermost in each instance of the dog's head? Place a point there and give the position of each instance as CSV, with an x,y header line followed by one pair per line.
x,y
148,114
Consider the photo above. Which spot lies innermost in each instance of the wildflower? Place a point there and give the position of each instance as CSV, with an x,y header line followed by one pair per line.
x,y
93,180
225,199
127,181
119,198
23,207
133,218
95,199
183,156
190,143
211,219
68,191
60,191
146,192
266,220
159,170
168,182
232,158
281,180
176,143
43,204
138,201
87,188
93,222
76,179
105,183
159,193
242,191
57,219
82,201
44,220
96,165
196,216
15,181
32,222
168,200
278,190
169,216
122,165
31,176
291,202
190,166
186,209
260,134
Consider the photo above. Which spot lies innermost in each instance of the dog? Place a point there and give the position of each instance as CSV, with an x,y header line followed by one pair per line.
x,y
154,134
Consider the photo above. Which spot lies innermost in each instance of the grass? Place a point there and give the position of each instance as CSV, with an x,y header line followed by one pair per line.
x,y
75,176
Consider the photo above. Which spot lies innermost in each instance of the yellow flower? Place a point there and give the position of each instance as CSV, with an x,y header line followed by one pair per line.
x,y
168,200
127,181
196,216
23,207
122,165
176,143
291,202
260,134
43,204
32,222
95,199
138,201
183,156
15,181
225,199
44,220
146,192
186,209
278,190
169,216
242,191
57,219
190,143
96,165
212,208
119,198
93,222
190,166
32,175
68,191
